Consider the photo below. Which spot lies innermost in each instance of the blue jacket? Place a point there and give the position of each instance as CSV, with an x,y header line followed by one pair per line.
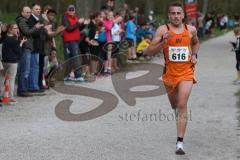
x,y
130,30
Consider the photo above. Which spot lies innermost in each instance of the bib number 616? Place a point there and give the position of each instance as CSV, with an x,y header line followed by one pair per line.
x,y
178,54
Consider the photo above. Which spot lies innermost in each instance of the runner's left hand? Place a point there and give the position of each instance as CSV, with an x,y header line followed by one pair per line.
x,y
194,59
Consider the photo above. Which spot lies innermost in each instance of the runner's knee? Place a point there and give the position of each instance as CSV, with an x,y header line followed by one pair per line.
x,y
182,105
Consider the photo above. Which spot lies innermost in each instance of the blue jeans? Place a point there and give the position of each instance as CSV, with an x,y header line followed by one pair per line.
x,y
24,71
34,72
71,49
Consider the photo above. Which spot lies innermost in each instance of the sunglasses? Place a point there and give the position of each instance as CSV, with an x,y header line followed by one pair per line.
x,y
71,9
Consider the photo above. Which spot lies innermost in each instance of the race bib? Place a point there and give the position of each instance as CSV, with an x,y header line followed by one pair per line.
x,y
178,54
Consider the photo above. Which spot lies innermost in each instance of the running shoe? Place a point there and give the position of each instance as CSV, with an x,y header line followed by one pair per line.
x,y
79,79
68,78
12,101
179,148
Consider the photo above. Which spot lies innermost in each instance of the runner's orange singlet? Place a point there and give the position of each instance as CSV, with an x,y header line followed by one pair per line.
x,y
177,54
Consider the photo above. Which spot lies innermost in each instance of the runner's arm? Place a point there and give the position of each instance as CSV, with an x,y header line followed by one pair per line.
x,y
195,41
156,44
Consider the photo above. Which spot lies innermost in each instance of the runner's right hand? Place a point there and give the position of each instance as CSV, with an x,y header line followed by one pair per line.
x,y
165,37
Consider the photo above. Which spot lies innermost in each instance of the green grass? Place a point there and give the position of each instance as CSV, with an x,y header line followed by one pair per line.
x,y
8,18
216,33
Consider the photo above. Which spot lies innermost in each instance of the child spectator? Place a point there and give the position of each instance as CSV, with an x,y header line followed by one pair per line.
x,y
130,37
143,45
102,40
52,65
84,48
116,37
93,44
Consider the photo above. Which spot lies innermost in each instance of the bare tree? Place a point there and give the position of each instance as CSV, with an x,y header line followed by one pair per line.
x,y
84,7
205,6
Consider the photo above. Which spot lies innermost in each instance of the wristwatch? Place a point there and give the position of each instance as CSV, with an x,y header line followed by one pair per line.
x,y
196,55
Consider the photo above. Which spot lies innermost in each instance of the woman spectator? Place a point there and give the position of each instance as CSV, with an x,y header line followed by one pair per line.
x,y
11,52
3,33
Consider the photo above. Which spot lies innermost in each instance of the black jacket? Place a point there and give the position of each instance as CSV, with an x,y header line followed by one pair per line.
x,y
2,36
26,31
11,51
237,49
38,37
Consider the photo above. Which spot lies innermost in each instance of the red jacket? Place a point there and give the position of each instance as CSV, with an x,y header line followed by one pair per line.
x,y
72,31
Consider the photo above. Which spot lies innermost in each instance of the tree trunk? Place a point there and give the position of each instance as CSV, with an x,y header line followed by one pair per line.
x,y
149,5
88,6
205,7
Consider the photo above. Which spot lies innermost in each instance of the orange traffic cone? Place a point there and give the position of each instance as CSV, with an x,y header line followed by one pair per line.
x,y
5,98
72,75
44,84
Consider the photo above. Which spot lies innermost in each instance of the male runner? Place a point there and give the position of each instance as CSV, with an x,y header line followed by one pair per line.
x,y
180,45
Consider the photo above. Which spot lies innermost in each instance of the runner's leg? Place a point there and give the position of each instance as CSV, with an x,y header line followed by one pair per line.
x,y
184,90
172,96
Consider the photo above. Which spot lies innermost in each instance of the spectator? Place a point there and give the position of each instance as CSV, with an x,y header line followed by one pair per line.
x,y
200,25
3,33
237,52
223,23
144,44
102,40
11,52
150,16
71,38
209,24
37,56
93,44
84,48
140,32
110,5
49,43
136,15
130,37
24,64
116,37
52,64
108,24
46,8
1,78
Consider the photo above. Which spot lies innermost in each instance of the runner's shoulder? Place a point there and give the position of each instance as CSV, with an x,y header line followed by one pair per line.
x,y
162,29
192,29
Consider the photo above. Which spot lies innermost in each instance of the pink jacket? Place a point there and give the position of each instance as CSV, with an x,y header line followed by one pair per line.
x,y
108,24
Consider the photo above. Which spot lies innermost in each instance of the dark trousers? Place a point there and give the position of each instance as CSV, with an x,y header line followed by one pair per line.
x,y
41,69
